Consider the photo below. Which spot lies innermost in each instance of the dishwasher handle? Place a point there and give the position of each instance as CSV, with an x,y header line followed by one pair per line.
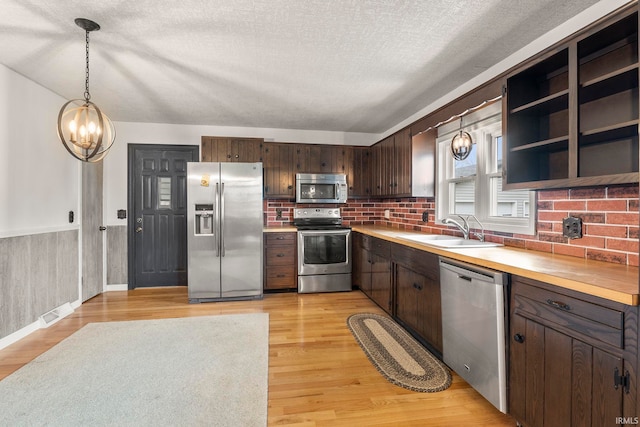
x,y
469,272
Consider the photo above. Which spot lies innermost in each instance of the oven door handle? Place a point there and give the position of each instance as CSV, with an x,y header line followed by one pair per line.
x,y
339,232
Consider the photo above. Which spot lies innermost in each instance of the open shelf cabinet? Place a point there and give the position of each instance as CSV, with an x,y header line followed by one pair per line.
x,y
571,117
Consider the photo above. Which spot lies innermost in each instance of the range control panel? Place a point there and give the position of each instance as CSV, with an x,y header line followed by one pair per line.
x,y
329,213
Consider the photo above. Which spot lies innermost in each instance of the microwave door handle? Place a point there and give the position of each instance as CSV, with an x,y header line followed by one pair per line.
x,y
336,194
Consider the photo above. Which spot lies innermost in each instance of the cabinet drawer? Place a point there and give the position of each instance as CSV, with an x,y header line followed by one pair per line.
x,y
591,320
276,239
280,277
419,261
284,255
381,247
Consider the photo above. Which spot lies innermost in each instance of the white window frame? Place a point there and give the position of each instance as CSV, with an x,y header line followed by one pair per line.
x,y
484,127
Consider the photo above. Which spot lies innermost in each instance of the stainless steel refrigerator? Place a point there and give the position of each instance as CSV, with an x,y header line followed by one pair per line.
x,y
224,231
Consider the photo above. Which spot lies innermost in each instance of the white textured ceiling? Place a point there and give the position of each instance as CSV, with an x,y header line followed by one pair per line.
x,y
341,65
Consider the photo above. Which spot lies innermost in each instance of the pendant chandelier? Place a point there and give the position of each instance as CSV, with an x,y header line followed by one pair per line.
x,y
84,130
461,144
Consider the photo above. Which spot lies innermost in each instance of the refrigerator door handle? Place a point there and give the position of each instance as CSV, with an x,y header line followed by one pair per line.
x,y
217,221
222,220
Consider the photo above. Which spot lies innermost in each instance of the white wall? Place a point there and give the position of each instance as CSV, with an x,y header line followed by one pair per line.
x,y
115,164
38,178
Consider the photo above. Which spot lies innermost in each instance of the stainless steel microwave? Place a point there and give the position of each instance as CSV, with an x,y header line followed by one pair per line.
x,y
321,188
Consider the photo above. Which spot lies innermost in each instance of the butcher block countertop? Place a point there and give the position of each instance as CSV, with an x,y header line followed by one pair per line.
x,y
602,279
279,229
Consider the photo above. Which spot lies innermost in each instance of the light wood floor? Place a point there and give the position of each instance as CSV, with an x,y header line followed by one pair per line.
x,y
318,375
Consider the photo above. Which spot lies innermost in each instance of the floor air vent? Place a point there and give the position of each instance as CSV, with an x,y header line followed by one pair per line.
x,y
51,317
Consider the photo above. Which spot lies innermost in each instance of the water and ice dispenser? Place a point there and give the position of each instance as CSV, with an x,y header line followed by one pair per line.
x,y
204,219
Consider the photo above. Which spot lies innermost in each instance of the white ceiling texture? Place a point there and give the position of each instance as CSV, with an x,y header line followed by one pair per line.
x,y
338,65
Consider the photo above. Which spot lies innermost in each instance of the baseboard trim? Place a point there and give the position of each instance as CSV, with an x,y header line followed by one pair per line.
x,y
53,316
63,311
122,287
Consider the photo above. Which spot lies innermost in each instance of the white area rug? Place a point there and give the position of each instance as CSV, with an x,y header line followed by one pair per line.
x,y
209,371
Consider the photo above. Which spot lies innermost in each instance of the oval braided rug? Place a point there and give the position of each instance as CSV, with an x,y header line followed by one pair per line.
x,y
397,355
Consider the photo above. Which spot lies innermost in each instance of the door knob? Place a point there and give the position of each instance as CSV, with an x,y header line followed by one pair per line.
x,y
138,230
519,338
102,228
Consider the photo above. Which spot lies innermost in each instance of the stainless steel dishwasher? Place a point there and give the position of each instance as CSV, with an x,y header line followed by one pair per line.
x,y
473,327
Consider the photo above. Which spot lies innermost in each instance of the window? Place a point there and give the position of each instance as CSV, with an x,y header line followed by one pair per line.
x,y
474,186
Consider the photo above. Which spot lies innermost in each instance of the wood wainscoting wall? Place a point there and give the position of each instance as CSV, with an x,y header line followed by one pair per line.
x,y
38,273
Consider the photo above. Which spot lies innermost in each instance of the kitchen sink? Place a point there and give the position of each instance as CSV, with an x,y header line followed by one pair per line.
x,y
445,241
426,238
461,243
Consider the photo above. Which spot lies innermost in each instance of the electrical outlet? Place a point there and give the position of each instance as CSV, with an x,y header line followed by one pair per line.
x,y
572,227
279,213
425,216
387,213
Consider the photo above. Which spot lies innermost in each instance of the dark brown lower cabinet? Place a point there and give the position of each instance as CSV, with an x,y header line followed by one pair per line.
x,y
572,358
381,285
372,269
361,274
417,288
404,281
280,269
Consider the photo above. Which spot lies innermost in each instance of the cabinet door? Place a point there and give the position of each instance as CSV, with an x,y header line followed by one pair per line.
x,y
362,269
408,285
417,287
556,378
321,158
301,158
381,281
361,173
215,149
386,167
402,163
278,170
376,169
245,150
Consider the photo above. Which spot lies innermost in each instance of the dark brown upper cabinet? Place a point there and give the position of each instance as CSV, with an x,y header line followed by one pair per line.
x,y
391,165
570,118
223,149
359,179
278,170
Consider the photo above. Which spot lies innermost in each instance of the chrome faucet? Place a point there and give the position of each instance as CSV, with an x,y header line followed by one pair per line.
x,y
480,235
464,227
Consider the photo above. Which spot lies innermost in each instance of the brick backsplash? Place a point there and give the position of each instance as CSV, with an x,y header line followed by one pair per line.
x,y
609,215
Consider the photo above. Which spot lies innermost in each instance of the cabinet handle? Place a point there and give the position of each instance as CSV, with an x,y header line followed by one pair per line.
x,y
280,238
519,338
280,255
559,305
280,275
418,287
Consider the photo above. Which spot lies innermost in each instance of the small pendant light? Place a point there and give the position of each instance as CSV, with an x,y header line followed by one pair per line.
x,y
84,130
461,144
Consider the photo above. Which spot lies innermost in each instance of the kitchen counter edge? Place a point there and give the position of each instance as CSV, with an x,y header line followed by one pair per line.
x,y
279,229
611,281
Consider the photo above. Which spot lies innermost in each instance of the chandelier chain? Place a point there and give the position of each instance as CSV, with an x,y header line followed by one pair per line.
x,y
87,95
